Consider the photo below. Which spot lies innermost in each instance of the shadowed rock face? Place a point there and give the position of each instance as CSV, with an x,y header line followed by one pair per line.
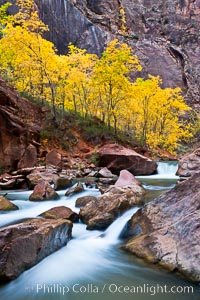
x,y
15,136
166,231
69,25
164,34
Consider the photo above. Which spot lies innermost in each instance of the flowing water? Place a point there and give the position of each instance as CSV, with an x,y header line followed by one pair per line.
x,y
92,266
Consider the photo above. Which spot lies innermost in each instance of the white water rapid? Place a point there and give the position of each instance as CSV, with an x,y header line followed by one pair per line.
x,y
166,170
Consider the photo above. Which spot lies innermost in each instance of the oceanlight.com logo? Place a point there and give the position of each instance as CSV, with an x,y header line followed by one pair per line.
x,y
109,288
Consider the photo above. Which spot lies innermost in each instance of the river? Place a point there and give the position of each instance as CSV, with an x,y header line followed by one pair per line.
x,y
92,266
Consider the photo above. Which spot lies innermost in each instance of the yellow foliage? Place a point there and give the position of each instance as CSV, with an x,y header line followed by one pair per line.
x,y
28,18
111,80
123,18
156,114
4,17
92,86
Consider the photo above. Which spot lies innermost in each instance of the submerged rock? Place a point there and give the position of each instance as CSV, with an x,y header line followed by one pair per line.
x,y
117,158
43,191
6,205
61,212
25,244
166,231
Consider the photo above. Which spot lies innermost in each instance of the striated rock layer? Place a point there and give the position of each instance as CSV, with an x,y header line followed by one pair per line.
x,y
166,231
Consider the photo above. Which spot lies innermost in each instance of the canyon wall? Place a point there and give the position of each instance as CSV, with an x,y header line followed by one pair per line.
x,y
164,34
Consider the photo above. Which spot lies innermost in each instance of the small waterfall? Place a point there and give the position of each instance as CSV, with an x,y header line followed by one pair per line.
x,y
166,170
114,230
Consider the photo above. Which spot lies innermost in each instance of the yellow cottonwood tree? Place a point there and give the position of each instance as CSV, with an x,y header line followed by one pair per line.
x,y
89,85
111,80
156,114
79,79
28,17
30,60
4,17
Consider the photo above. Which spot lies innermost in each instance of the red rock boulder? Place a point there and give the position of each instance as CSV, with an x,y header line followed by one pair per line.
x,y
54,158
25,244
117,158
6,205
61,212
29,158
43,191
126,178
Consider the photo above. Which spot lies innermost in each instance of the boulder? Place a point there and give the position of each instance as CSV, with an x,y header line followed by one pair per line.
x,y
102,211
38,175
105,173
62,182
117,158
43,191
61,212
166,231
126,178
189,164
54,158
29,158
82,201
25,244
75,190
104,183
6,205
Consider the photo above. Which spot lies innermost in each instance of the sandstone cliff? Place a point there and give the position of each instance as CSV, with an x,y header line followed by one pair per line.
x,y
18,130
